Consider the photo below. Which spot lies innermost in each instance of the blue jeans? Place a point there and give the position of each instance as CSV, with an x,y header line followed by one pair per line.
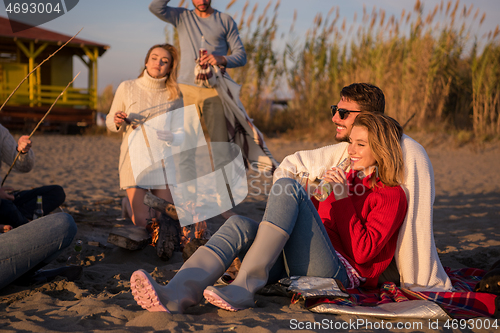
x,y
34,244
308,251
20,211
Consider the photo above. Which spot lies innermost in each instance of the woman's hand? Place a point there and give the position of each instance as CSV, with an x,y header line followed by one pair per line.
x,y
337,179
165,136
120,118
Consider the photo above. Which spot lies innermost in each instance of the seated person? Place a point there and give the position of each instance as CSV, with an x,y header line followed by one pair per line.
x,y
352,236
18,207
154,93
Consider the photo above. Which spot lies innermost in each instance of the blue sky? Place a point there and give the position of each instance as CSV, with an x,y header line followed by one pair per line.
x,y
130,29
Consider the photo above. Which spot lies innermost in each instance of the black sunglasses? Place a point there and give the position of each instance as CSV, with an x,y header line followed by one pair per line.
x,y
343,113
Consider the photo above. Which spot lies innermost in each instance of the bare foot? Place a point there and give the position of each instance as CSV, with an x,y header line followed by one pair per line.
x,y
4,228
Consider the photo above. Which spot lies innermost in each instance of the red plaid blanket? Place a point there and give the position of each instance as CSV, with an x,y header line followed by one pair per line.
x,y
462,303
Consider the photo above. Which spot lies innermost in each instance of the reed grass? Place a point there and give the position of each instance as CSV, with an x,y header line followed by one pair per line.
x,y
486,91
422,60
105,99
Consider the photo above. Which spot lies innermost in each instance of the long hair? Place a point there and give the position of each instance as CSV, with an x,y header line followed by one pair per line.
x,y
171,82
384,139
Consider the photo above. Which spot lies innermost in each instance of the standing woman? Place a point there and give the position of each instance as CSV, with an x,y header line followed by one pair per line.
x,y
351,236
154,93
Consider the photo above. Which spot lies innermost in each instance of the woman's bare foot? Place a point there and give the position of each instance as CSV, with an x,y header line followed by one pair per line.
x,y
4,228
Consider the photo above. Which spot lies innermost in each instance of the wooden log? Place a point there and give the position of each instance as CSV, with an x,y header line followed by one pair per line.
x,y
191,247
129,237
168,237
166,207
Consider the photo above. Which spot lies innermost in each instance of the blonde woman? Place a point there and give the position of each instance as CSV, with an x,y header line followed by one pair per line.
x,y
154,93
351,236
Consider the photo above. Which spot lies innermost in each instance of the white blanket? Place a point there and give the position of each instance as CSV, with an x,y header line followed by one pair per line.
x,y
416,255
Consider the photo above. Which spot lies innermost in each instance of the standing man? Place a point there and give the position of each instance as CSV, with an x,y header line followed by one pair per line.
x,y
416,256
220,34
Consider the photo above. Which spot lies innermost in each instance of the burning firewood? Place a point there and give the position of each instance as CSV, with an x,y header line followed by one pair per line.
x,y
167,234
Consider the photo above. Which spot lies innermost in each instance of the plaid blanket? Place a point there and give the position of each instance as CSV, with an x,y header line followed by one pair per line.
x,y
204,76
462,303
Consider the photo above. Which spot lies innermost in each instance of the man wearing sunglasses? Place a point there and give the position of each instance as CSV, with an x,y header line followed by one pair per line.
x,y
416,256
355,98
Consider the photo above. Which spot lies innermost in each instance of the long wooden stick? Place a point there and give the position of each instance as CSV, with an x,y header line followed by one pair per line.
x,y
26,77
38,125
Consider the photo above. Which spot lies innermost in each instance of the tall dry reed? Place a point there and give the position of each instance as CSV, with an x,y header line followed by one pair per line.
x,y
423,60
263,73
486,91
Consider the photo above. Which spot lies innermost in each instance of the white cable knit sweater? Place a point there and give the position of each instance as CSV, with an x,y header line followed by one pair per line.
x,y
142,98
416,255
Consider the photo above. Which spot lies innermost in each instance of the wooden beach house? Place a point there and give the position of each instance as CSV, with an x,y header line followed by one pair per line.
x,y
20,53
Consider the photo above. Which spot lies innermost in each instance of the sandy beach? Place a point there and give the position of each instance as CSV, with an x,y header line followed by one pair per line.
x,y
466,216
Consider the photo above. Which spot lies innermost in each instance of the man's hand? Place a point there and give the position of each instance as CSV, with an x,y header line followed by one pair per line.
x,y
213,60
24,144
4,193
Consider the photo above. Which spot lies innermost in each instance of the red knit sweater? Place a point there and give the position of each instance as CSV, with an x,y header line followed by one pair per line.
x,y
364,226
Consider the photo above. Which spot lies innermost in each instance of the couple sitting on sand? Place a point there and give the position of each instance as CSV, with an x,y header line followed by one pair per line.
x,y
380,210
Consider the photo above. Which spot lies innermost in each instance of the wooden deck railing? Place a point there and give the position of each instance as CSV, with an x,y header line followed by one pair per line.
x,y
45,95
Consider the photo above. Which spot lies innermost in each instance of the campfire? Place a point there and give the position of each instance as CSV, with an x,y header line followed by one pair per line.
x,y
196,230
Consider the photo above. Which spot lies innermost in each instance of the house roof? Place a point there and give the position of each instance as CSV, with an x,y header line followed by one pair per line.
x,y
39,34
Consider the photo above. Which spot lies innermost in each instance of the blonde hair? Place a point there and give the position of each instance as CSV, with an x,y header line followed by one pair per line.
x,y
384,139
171,82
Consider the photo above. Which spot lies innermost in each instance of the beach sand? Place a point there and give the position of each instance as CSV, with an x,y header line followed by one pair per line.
x,y
466,215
